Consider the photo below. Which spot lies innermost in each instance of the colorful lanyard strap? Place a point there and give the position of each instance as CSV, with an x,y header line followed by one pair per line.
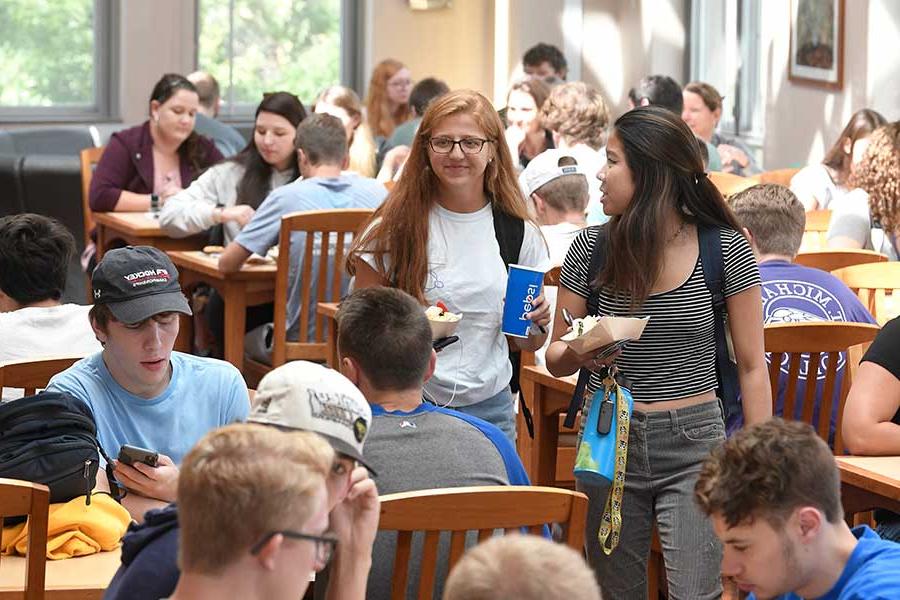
x,y
611,522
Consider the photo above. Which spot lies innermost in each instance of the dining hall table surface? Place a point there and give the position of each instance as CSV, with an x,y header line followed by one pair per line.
x,y
81,578
138,229
253,284
869,482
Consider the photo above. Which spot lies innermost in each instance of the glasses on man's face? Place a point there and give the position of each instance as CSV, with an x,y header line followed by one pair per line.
x,y
444,145
324,544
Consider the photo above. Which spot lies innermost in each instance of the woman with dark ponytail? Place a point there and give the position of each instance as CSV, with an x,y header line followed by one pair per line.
x,y
659,201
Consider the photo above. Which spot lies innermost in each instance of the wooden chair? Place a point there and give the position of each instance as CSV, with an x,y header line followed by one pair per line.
x,y
779,176
31,499
89,159
459,510
816,230
830,260
817,342
729,184
326,245
32,374
877,285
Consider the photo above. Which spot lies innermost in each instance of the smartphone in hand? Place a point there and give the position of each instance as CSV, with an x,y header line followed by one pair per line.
x,y
132,454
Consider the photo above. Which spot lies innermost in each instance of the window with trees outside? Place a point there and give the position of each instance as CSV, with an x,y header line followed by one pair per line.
x,y
257,46
54,61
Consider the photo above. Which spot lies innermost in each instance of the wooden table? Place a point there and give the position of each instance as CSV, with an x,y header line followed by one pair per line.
x,y
138,229
82,578
869,482
329,311
253,284
547,397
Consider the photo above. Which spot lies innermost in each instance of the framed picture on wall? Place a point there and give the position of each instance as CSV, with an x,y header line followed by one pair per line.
x,y
817,43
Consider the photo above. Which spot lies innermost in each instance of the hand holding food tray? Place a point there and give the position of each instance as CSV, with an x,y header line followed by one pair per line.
x,y
603,335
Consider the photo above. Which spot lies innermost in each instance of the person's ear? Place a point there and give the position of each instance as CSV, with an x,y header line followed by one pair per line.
x,y
268,554
154,110
350,370
432,365
645,102
809,520
345,164
99,333
539,205
848,146
717,114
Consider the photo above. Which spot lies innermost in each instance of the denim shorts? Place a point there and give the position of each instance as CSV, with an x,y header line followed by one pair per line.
x,y
665,452
497,410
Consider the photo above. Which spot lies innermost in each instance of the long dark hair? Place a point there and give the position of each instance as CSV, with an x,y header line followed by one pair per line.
x,y
190,149
861,124
255,185
664,158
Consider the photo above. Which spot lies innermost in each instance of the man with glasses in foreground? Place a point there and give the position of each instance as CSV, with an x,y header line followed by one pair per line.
x,y
254,512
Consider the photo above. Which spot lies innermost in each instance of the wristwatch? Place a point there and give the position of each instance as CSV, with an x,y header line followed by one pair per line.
x,y
154,202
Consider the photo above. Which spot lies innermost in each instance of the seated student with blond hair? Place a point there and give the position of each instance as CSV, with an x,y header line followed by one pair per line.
x,y
773,493
773,219
523,567
254,514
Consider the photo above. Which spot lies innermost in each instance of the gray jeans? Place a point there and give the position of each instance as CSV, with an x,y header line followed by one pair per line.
x,y
665,451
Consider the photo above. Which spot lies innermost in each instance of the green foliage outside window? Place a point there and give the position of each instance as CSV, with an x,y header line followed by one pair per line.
x,y
278,45
47,53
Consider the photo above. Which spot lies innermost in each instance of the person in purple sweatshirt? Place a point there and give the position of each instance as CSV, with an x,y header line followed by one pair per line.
x,y
773,220
145,164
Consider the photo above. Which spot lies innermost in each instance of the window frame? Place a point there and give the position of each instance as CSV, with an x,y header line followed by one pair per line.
x,y
742,43
106,60
351,26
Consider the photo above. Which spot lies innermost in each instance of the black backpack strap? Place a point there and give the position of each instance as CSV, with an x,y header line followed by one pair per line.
x,y
714,275
596,264
116,489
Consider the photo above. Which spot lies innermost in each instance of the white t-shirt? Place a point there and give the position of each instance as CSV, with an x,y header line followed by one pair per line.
x,y
42,332
814,181
466,272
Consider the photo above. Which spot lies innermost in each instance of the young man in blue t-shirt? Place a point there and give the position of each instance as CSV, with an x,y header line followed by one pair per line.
x,y
140,391
321,145
773,493
773,219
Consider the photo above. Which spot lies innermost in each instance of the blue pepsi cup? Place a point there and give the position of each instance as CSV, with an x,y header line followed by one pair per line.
x,y
596,459
522,287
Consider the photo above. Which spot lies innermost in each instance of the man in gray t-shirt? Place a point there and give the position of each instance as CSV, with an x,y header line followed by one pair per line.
x,y
385,344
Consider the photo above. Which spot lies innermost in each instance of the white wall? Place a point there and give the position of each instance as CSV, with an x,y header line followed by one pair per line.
x,y
803,121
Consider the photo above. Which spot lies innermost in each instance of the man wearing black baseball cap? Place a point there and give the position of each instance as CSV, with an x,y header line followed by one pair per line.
x,y
141,392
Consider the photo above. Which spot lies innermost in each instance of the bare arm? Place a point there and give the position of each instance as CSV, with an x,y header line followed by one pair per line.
x,y
844,242
749,350
562,360
233,258
873,401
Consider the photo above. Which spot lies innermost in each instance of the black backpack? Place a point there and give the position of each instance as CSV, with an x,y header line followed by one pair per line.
x,y
51,438
709,239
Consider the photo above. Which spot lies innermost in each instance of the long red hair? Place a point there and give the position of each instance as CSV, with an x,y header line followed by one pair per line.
x,y
399,227
378,111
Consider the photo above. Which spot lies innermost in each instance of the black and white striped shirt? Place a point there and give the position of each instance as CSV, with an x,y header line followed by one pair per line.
x,y
676,355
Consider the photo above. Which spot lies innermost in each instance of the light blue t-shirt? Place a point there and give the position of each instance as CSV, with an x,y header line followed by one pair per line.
x,y
316,193
871,573
202,395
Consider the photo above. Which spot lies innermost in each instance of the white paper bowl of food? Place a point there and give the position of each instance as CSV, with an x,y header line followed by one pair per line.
x,y
443,322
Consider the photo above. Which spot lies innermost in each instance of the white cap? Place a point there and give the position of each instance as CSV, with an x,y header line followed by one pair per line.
x,y
544,168
308,396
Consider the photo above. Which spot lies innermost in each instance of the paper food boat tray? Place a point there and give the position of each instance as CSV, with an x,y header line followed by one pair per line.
x,y
607,331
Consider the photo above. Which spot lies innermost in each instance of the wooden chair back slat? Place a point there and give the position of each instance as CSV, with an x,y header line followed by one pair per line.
x,y
819,343
815,233
481,509
33,500
89,158
428,570
830,260
318,225
32,375
877,285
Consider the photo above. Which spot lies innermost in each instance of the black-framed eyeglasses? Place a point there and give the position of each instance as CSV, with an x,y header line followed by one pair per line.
x,y
325,544
469,145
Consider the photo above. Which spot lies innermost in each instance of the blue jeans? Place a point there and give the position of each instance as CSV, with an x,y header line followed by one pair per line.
x,y
497,410
665,451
